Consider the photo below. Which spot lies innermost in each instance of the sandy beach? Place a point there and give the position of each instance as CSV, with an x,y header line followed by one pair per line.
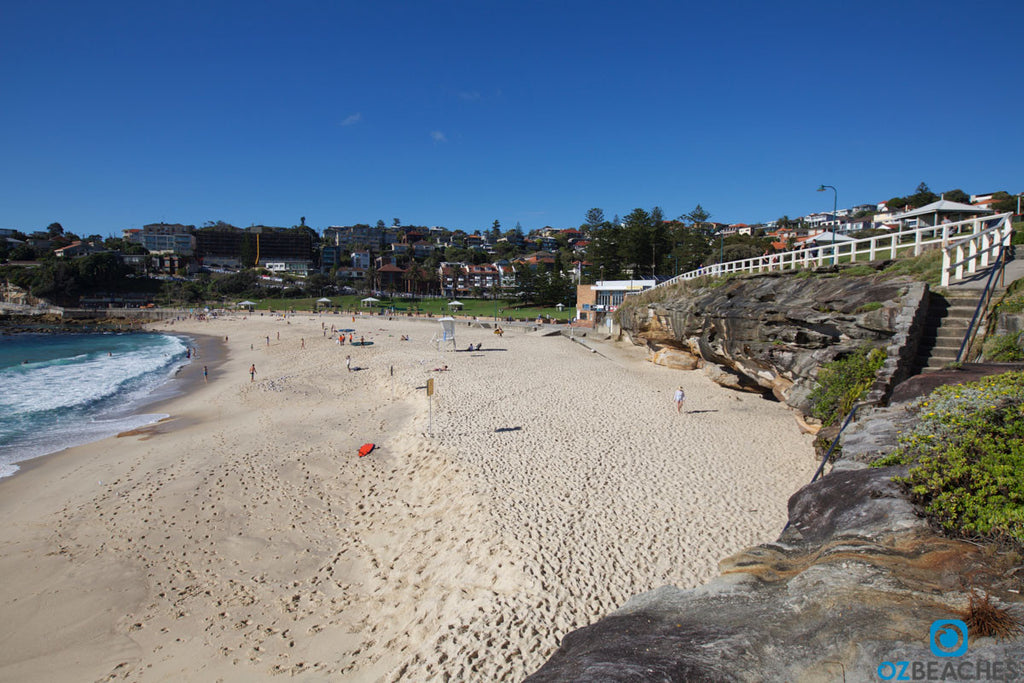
x,y
244,538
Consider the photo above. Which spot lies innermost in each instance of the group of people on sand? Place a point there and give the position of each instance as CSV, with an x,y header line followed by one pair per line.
x,y
351,338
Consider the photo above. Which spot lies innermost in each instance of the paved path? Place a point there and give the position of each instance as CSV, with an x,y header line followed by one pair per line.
x,y
1014,271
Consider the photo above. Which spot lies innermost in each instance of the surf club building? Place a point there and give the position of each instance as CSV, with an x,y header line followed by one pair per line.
x,y
594,302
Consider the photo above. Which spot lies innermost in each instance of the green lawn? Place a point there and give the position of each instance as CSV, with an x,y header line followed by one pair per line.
x,y
484,309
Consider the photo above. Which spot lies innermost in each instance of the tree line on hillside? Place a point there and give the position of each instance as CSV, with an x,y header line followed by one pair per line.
x,y
645,244
63,281
1004,202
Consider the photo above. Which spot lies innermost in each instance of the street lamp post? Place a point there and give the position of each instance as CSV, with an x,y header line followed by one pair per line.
x,y
835,203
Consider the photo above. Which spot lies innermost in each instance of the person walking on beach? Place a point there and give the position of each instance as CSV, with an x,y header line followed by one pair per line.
x,y
348,363
252,372
206,375
679,398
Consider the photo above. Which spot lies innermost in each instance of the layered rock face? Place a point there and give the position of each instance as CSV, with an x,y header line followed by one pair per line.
x,y
772,332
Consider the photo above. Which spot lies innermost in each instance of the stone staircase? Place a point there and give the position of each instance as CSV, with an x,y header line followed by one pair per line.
x,y
949,315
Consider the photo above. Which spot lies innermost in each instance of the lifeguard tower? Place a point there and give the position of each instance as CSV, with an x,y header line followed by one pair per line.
x,y
446,336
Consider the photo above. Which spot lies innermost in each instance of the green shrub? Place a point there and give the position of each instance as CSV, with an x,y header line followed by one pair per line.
x,y
1003,348
966,453
843,382
869,306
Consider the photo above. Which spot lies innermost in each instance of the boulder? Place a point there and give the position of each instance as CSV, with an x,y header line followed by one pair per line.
x,y
677,359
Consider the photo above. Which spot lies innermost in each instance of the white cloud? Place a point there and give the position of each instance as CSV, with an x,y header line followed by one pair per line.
x,y
353,119
469,96
438,136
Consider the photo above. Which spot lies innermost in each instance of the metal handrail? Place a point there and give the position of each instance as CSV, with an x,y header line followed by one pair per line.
x,y
983,302
835,442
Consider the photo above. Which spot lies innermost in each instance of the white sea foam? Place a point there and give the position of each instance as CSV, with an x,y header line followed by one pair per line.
x,y
71,397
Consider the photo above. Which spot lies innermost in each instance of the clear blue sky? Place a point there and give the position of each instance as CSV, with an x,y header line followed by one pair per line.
x,y
115,114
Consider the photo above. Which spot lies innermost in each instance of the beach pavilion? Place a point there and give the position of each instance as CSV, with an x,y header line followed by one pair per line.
x,y
941,211
370,301
455,304
828,237
324,302
250,305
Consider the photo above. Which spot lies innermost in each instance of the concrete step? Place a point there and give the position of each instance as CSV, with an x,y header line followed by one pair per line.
x,y
944,335
939,317
939,363
956,313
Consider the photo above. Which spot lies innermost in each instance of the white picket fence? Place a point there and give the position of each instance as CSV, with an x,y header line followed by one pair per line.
x,y
967,246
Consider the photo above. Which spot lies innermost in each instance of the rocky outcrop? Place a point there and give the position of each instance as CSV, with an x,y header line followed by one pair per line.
x,y
854,581
772,332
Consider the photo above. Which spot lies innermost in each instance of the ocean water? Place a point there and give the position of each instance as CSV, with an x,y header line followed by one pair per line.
x,y
63,390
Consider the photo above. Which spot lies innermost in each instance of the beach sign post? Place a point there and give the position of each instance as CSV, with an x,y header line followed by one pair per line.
x,y
430,405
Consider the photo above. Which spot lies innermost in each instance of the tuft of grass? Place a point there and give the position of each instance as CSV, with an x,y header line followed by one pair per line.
x,y
1018,233
869,306
1003,348
927,267
985,619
